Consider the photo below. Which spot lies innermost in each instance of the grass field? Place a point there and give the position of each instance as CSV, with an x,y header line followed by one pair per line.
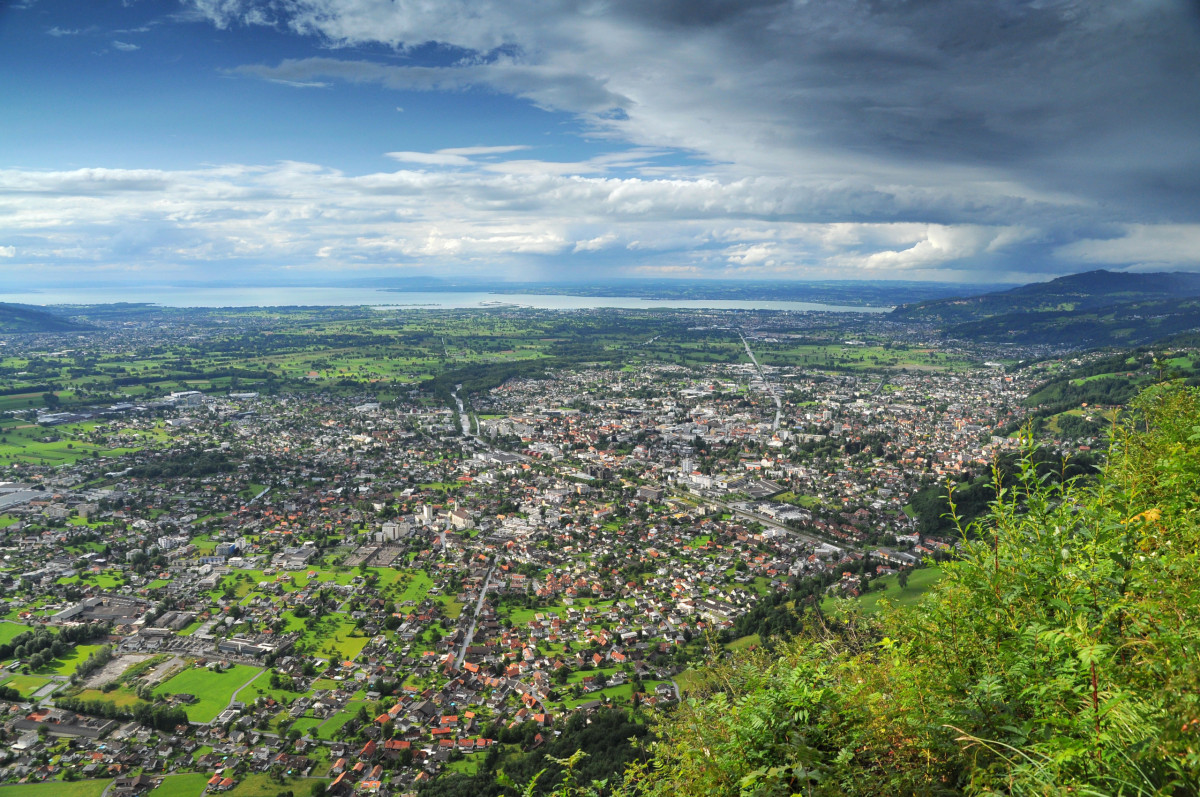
x,y
261,785
417,588
214,690
122,698
334,724
918,582
189,785
10,631
68,665
79,788
467,765
26,684
261,687
741,643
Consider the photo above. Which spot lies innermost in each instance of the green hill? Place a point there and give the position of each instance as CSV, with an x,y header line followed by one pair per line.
x,y
1129,324
1058,655
1090,310
1074,293
15,318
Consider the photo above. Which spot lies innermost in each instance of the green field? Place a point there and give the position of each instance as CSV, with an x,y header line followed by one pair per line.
x,y
26,685
68,665
741,643
260,687
21,441
918,582
331,726
261,785
10,631
57,788
189,785
214,690
122,697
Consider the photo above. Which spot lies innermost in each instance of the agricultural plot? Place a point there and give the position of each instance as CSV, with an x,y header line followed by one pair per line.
x,y
121,697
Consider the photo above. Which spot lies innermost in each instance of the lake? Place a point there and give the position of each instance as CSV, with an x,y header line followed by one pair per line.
x,y
169,296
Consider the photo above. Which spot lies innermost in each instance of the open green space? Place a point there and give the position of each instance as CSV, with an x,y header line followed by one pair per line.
x,y
261,687
918,582
121,697
68,664
57,788
213,690
26,685
262,785
191,784
10,631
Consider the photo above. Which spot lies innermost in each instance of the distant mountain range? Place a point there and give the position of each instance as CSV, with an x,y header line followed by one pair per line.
x,y
1093,309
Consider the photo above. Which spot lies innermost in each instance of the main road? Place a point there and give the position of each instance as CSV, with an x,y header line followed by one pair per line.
x,y
462,653
766,385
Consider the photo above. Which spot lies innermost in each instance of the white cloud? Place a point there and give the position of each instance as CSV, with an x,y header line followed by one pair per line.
x,y
430,158
303,84
8,251
125,47
471,151
198,222
1150,245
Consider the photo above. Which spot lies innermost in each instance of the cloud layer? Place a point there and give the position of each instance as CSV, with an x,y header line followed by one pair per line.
x,y
1097,99
479,216
956,139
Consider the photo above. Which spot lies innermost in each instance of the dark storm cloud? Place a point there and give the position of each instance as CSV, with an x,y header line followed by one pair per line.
x,y
1096,99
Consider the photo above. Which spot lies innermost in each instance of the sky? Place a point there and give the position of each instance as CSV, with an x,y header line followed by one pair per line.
x,y
321,141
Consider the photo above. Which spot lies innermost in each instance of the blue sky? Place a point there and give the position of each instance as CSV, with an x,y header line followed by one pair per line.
x,y
315,140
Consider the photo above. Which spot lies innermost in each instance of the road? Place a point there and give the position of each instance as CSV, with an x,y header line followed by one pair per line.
x,y
462,653
766,385
464,418
763,519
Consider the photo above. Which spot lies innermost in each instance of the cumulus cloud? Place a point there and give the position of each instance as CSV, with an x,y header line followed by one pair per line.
x,y
8,251
453,211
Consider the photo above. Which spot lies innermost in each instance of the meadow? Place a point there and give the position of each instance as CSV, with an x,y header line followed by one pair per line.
x,y
213,690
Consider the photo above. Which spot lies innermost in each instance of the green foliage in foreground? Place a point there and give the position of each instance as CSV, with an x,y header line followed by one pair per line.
x,y
1060,655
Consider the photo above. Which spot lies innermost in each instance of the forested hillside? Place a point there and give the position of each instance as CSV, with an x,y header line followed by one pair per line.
x,y
19,318
1099,308
1059,655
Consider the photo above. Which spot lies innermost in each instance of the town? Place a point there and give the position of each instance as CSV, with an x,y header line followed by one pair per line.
x,y
314,567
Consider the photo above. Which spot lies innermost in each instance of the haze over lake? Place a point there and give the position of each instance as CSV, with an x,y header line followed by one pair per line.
x,y
447,300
